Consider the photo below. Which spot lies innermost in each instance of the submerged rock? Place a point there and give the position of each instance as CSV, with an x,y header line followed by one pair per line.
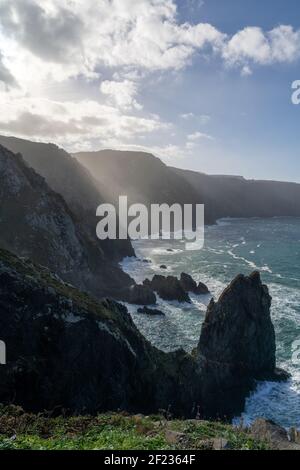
x,y
151,311
168,288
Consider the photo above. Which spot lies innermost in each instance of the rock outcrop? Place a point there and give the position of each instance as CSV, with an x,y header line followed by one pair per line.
x,y
139,295
189,285
237,344
168,288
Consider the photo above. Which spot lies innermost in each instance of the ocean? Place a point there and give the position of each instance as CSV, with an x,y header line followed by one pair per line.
x,y
233,246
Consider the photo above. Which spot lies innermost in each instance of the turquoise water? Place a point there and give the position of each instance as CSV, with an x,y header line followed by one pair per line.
x,y
231,247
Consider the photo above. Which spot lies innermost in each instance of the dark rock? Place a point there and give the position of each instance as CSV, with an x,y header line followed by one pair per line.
x,y
170,250
139,295
150,311
189,285
237,344
168,288
163,266
202,289
147,261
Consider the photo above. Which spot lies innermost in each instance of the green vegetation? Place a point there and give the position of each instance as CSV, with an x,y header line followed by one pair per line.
x,y
115,431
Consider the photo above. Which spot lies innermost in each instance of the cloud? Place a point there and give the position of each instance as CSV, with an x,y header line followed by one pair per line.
x,y
122,93
252,44
70,123
198,136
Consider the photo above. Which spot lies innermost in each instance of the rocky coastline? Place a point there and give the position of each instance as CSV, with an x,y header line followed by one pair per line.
x,y
67,351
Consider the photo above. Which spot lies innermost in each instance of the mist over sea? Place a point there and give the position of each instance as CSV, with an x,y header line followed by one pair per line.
x,y
233,246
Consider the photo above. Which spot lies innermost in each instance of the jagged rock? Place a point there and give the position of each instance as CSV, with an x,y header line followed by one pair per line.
x,y
238,329
189,285
139,295
151,311
168,288
237,344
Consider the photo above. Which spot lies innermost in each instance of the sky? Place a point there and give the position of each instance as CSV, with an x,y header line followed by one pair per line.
x,y
202,84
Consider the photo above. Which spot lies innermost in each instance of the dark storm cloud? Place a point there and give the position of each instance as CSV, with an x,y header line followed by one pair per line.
x,y
50,37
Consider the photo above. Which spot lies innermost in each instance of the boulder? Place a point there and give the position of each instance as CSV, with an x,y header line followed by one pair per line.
x,y
150,312
189,285
163,266
168,288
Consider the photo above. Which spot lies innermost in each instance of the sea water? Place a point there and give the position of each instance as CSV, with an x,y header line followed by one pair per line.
x,y
232,246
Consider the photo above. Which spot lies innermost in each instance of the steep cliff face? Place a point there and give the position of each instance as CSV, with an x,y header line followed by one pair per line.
x,y
75,183
36,222
65,350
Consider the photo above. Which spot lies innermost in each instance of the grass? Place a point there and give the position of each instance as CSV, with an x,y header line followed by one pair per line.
x,y
114,431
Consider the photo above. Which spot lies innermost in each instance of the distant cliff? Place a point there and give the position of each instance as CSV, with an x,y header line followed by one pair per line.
x,y
146,179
